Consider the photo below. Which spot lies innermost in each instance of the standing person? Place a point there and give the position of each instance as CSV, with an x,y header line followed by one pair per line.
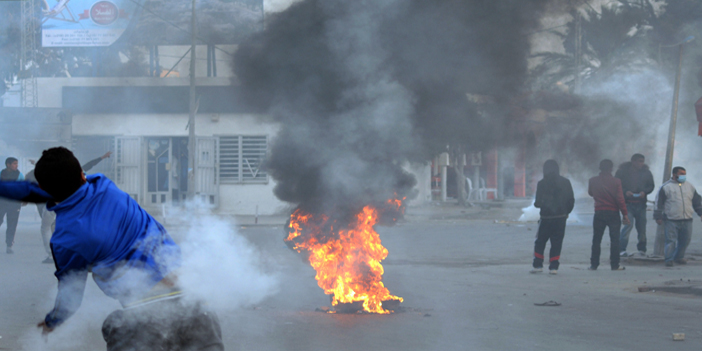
x,y
637,183
677,199
10,208
101,230
48,218
554,196
609,201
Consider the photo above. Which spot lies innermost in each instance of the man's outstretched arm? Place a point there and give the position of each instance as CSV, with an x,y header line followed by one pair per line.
x,y
24,191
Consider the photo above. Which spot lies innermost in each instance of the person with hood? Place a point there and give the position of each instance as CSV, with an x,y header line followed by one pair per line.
x,y
609,201
554,196
676,201
10,209
637,183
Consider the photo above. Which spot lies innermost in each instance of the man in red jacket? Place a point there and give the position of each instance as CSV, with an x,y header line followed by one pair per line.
x,y
609,201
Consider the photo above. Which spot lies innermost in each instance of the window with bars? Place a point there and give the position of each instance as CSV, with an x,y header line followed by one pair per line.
x,y
241,159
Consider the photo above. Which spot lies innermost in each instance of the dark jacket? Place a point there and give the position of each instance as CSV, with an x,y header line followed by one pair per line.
x,y
554,194
607,191
635,181
8,175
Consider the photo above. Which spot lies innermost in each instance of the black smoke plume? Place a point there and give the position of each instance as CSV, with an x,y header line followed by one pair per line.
x,y
362,87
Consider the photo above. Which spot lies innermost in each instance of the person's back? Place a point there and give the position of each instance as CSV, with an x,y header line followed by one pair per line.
x,y
554,194
103,227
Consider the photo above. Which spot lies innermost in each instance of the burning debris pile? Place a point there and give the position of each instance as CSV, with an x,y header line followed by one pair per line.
x,y
362,88
346,255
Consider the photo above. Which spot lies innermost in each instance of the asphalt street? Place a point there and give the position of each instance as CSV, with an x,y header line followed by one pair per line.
x,y
463,274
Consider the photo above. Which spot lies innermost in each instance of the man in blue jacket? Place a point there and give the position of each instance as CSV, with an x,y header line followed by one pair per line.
x,y
102,230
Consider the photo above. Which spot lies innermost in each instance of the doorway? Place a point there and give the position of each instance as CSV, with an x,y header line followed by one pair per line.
x,y
166,170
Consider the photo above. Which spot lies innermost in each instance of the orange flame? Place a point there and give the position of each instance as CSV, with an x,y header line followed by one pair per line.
x,y
347,261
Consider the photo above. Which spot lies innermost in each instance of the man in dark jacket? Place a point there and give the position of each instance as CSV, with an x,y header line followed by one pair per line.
x,y
554,196
637,183
10,208
609,201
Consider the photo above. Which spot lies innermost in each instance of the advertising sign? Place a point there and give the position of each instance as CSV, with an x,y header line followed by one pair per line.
x,y
86,23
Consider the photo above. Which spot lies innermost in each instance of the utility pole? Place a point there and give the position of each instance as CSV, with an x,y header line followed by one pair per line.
x,y
193,111
30,97
674,114
578,50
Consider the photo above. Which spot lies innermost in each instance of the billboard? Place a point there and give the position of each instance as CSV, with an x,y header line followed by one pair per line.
x,y
93,23
86,23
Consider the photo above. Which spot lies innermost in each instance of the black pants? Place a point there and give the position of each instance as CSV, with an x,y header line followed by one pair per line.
x,y
12,214
602,220
553,230
171,325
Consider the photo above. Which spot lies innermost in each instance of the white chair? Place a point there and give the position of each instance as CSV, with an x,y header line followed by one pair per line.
x,y
484,191
472,192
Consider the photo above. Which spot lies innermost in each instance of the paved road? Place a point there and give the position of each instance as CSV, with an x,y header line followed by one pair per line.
x,y
465,283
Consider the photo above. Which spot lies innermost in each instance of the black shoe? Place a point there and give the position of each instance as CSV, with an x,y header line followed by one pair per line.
x,y
48,260
9,250
681,261
620,268
592,268
669,263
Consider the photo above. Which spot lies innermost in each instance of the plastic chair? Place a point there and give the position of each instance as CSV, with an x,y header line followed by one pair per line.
x,y
484,191
472,192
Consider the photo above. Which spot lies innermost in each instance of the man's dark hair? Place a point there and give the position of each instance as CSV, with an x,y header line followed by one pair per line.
x,y
637,157
10,160
606,165
678,168
58,172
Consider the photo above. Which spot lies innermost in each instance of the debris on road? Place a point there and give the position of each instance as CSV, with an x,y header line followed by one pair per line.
x,y
679,336
548,304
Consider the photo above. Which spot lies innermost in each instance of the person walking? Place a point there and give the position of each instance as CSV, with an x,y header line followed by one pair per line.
x,y
10,209
609,201
637,183
554,196
676,201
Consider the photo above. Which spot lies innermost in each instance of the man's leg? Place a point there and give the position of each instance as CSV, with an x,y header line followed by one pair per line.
x,y
12,220
540,243
598,228
614,222
557,235
126,330
626,230
640,217
671,240
684,238
47,220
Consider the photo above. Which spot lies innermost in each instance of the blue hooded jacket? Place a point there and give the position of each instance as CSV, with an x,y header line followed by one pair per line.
x,y
101,229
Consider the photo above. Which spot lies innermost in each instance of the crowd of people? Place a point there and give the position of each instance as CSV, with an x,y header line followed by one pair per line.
x,y
621,198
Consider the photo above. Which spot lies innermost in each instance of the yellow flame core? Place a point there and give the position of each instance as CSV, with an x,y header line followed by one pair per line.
x,y
348,265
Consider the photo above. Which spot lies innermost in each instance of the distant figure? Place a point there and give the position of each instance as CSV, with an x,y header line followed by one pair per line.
x,y
48,218
676,201
637,182
554,196
10,208
609,201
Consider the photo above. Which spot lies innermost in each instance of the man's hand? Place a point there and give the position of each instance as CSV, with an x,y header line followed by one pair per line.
x,y
106,155
626,220
643,194
659,221
45,330
629,194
